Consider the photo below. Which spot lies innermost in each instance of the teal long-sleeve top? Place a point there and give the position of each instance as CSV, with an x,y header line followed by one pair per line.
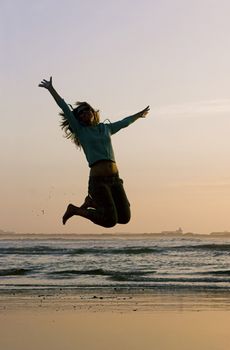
x,y
95,140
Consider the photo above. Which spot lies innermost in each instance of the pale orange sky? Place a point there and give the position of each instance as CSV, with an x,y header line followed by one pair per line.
x,y
120,56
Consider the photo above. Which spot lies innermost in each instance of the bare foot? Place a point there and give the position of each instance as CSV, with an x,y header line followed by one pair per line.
x,y
73,210
70,211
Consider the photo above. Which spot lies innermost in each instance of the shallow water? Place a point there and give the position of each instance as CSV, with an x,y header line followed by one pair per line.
x,y
160,263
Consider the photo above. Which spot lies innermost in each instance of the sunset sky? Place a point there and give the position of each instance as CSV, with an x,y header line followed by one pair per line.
x,y
120,56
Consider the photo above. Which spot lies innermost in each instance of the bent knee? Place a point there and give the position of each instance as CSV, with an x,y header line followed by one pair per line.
x,y
124,221
110,223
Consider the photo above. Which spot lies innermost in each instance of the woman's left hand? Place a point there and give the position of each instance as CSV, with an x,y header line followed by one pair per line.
x,y
143,113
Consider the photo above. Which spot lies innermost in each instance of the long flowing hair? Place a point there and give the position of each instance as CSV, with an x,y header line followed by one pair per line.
x,y
69,133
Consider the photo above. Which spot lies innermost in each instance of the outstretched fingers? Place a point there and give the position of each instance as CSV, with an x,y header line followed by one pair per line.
x,y
144,112
46,83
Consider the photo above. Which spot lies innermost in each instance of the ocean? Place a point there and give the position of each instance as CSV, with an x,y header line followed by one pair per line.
x,y
143,263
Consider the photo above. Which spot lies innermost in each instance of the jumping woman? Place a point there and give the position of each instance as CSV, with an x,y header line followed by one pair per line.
x,y
106,203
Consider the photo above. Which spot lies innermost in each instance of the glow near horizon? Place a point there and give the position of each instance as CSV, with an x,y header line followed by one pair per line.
x,y
120,56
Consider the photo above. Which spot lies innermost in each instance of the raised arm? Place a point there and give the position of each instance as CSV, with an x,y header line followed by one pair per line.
x,y
48,84
141,114
115,127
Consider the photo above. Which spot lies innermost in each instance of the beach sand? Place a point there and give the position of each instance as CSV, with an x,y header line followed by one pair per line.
x,y
106,321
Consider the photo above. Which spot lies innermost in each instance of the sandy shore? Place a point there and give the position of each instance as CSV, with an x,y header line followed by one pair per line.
x,y
96,320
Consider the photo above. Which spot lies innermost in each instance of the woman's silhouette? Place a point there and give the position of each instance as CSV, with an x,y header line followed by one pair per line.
x,y
106,203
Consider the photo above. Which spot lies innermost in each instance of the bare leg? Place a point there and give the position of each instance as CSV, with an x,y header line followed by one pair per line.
x,y
73,210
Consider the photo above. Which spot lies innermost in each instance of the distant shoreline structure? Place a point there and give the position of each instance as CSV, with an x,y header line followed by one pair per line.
x,y
177,233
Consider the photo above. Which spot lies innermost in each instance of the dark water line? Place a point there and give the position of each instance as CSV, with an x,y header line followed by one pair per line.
x,y
131,250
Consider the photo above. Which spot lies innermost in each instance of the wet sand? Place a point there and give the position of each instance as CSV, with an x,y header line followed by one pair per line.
x,y
93,320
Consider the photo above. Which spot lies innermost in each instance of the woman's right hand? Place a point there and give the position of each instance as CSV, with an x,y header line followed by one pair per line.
x,y
47,84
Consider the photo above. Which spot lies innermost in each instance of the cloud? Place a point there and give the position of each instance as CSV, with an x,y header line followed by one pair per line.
x,y
214,185
208,107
